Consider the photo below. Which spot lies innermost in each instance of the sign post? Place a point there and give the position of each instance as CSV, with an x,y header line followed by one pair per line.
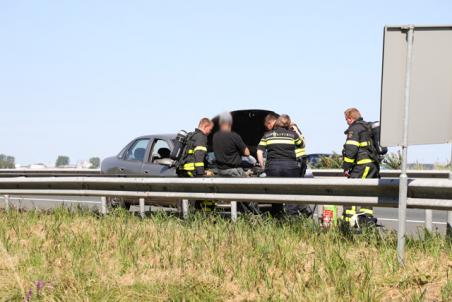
x,y
416,98
403,184
449,213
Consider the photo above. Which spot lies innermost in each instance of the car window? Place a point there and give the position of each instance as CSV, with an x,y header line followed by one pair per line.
x,y
137,150
160,150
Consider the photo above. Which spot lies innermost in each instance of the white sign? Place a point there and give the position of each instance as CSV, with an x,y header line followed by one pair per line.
x,y
430,105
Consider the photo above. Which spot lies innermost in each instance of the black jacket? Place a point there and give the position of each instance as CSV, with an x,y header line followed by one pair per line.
x,y
194,158
282,144
358,146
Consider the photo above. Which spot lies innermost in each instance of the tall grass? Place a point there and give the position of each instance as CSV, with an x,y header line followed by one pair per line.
x,y
78,256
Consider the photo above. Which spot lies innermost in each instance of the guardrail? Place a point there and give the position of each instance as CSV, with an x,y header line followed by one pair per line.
x,y
96,173
422,193
387,173
48,172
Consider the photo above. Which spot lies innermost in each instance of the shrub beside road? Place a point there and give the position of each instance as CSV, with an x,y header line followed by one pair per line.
x,y
78,256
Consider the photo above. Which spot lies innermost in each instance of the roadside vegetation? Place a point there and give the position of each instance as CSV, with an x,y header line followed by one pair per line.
x,y
79,256
334,161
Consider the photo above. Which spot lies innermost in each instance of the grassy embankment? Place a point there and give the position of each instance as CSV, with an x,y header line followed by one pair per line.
x,y
78,256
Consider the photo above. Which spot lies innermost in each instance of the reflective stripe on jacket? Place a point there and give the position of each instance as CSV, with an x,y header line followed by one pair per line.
x,y
357,146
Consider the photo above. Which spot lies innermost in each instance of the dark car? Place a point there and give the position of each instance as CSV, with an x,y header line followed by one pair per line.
x,y
145,155
149,155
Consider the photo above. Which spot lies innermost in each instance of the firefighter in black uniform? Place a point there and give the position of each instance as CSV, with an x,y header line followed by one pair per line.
x,y
284,146
192,163
360,160
193,159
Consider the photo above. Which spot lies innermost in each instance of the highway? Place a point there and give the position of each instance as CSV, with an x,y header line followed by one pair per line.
x,y
386,216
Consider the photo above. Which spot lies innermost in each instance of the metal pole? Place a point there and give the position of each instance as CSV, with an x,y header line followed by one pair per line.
x,y
449,213
429,220
103,205
141,201
403,185
234,211
185,208
6,197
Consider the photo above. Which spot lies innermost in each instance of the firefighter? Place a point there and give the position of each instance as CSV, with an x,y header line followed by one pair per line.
x,y
192,163
360,160
193,159
283,147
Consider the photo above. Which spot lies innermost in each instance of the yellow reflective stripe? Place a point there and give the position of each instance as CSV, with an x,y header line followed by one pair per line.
x,y
366,211
189,167
190,174
298,142
351,142
263,142
365,161
349,160
200,148
281,142
356,143
190,151
363,144
300,152
366,172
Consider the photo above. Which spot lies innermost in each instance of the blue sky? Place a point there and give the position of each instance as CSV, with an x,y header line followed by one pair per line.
x,y
82,78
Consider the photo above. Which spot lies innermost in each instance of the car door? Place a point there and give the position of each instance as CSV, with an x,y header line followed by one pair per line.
x,y
159,153
133,158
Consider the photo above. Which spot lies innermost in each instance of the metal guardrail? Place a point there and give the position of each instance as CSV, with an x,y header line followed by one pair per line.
x,y
387,173
48,172
422,193
96,173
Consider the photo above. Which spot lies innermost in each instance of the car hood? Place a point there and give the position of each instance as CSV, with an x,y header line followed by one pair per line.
x,y
249,124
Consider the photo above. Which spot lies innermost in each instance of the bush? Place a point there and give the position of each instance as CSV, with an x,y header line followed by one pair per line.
x,y
392,161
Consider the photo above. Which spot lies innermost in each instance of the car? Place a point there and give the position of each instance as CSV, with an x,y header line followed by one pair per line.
x,y
149,155
145,155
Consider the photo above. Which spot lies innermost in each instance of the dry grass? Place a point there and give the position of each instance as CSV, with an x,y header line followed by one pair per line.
x,y
66,256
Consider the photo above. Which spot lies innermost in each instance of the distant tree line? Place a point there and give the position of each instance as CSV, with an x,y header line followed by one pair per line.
x,y
95,162
63,161
7,161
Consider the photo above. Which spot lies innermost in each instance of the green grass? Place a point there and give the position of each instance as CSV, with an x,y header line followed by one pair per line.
x,y
79,256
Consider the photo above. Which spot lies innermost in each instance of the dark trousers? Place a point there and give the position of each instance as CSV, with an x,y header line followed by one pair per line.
x,y
362,172
282,168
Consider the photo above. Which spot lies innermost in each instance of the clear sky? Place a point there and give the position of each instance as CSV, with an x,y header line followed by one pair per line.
x,y
82,78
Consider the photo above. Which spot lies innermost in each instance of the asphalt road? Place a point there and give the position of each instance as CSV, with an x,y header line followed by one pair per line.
x,y
386,216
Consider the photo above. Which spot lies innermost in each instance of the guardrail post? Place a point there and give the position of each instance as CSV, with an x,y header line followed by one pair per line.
x,y
6,197
429,220
103,205
185,208
234,211
141,200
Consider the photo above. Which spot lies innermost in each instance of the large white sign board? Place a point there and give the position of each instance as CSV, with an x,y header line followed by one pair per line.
x,y
430,106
